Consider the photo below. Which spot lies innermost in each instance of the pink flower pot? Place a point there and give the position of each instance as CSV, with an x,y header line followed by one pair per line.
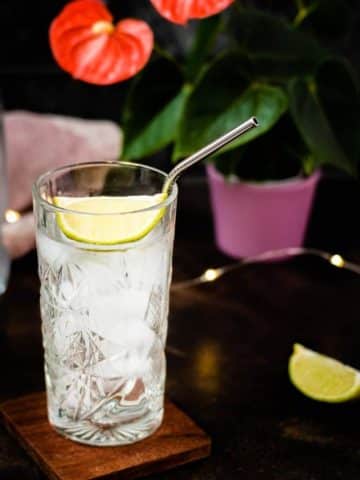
x,y
252,218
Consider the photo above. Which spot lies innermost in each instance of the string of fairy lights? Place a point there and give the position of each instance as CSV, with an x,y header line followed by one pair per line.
x,y
12,216
213,274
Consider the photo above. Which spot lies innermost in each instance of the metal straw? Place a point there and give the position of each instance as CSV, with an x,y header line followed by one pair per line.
x,y
209,150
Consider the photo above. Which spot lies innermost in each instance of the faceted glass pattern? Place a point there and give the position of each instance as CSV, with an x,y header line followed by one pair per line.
x,y
104,321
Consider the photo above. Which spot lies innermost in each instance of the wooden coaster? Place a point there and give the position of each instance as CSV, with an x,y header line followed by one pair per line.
x,y
179,440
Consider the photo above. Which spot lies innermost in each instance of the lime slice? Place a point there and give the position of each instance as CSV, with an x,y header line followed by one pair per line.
x,y
323,378
112,228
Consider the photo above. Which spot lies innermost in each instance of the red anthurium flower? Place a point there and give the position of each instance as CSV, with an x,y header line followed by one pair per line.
x,y
86,43
180,11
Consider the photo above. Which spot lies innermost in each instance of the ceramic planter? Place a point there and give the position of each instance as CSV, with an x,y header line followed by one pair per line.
x,y
251,218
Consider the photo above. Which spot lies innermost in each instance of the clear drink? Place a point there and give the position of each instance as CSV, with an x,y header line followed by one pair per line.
x,y
104,310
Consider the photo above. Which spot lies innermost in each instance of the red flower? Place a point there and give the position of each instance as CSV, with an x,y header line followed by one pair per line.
x,y
180,11
86,43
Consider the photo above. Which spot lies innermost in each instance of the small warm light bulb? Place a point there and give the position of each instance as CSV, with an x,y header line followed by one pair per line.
x,y
210,275
12,216
337,261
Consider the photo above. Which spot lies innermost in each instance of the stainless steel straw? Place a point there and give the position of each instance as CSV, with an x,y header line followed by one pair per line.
x,y
208,150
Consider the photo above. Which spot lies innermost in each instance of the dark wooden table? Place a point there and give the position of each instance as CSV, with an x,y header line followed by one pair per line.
x,y
228,347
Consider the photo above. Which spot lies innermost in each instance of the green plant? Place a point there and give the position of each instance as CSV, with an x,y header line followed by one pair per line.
x,y
280,69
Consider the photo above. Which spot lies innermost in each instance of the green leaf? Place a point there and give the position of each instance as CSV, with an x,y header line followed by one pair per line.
x,y
160,131
223,99
153,110
314,123
205,36
278,154
275,47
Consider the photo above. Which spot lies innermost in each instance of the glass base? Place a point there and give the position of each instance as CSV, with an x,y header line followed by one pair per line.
x,y
90,433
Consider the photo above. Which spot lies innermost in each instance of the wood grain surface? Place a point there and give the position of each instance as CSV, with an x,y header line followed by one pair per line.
x,y
179,440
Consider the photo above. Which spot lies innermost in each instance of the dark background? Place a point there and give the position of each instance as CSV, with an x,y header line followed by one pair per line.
x,y
31,80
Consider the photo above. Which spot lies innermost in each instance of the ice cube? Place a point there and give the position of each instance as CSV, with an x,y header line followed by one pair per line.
x,y
119,320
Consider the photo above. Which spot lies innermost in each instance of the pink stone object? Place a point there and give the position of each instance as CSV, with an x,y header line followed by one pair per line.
x,y
37,142
252,218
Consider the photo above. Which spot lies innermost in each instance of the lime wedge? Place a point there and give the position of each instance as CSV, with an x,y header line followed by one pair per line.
x,y
110,228
323,378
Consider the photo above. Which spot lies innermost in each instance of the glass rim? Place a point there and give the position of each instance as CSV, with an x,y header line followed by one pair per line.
x,y
74,166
